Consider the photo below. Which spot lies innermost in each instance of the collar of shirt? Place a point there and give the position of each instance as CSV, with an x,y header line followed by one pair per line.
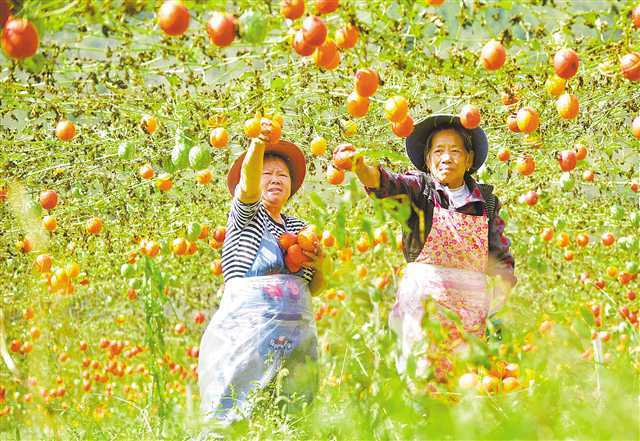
x,y
474,191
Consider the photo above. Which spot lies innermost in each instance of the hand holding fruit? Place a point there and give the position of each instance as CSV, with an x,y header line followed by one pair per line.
x,y
343,156
302,249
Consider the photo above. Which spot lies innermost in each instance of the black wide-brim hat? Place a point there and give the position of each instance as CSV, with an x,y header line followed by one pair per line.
x,y
416,142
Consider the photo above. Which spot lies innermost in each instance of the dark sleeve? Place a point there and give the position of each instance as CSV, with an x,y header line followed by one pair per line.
x,y
501,260
393,184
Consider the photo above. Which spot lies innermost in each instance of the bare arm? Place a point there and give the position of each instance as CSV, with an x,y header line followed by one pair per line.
x,y
249,190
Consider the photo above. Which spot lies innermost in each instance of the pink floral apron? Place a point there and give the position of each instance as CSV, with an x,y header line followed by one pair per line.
x,y
450,270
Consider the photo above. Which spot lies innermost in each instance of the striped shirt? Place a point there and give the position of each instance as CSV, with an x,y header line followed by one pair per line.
x,y
245,227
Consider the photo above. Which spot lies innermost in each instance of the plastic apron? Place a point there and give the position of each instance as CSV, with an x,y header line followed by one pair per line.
x,y
265,322
450,270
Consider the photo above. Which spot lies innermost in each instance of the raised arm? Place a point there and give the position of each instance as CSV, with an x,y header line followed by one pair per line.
x,y
368,175
249,190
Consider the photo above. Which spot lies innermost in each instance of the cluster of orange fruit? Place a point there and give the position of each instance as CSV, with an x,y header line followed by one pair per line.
x,y
294,246
502,377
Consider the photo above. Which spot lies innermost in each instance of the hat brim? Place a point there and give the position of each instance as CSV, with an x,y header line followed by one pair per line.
x,y
416,142
296,162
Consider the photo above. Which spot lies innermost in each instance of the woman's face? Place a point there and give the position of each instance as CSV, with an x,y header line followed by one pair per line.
x,y
447,159
276,182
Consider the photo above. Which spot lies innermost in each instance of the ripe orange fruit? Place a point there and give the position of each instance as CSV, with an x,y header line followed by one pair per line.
x,y
357,106
94,225
504,154
25,245
335,176
547,234
179,246
65,130
221,28
149,124
635,16
630,66
403,128
204,176
581,152
363,244
287,240
300,45
588,175
164,182
470,116
347,36
219,137
151,248
380,236
582,239
565,63
49,223
343,156
325,54
308,239
435,2
528,119
526,166
252,127
276,130
192,247
568,255
219,233
48,199
493,55
568,106
146,171
563,240
326,6
608,239
19,38
318,146
173,18
43,263
328,240
396,108
314,30
292,9
366,82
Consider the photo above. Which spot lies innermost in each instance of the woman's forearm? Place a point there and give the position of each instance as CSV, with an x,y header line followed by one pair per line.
x,y
251,173
368,175
317,283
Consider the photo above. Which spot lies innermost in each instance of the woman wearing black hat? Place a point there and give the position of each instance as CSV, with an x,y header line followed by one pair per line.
x,y
265,320
455,236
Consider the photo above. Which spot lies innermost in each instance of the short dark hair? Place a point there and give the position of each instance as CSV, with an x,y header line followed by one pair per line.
x,y
464,134
271,155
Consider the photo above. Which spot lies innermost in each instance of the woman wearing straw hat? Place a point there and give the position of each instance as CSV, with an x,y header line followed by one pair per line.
x,y
454,235
265,320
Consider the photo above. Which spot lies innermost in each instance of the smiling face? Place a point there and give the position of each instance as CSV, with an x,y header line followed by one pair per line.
x,y
447,159
276,182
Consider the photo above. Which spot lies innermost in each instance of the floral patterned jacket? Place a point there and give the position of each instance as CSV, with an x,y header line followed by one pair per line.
x,y
421,190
